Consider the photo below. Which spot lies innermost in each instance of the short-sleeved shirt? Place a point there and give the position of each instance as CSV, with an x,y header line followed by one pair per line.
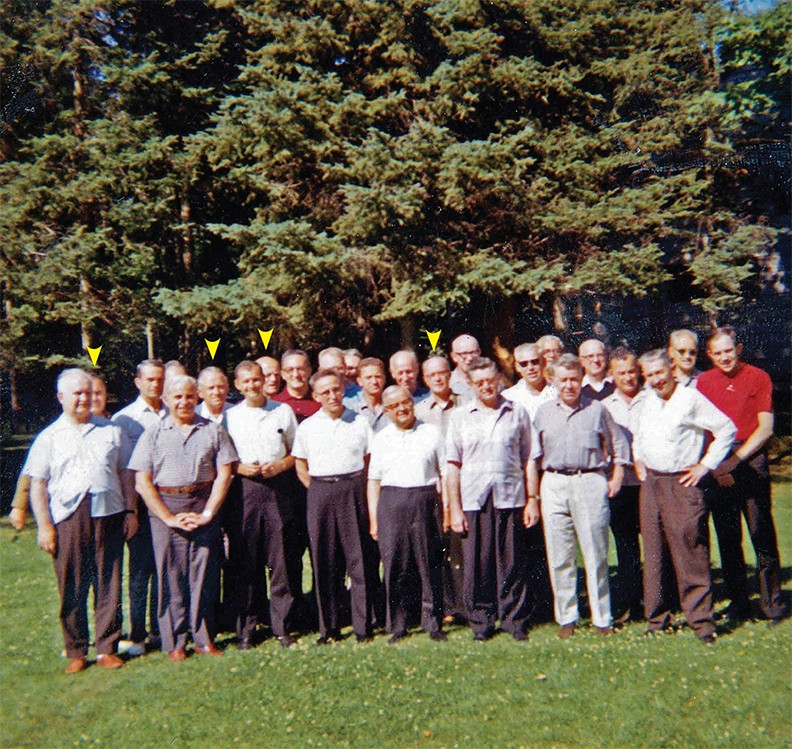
x,y
407,458
262,434
175,458
204,412
582,438
433,411
520,393
138,416
622,412
376,416
302,407
742,397
77,460
461,386
492,445
331,446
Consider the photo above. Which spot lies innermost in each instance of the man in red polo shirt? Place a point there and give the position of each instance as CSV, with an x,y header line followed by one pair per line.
x,y
744,394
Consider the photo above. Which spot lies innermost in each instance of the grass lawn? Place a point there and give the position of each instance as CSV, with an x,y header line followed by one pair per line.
x,y
623,691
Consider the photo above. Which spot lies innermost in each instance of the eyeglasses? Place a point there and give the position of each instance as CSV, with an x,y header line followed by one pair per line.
x,y
529,362
686,351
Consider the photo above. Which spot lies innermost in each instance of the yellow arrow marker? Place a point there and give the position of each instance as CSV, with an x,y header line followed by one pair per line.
x,y
94,353
212,346
265,336
433,338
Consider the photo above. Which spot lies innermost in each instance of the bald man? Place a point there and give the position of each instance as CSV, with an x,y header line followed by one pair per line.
x,y
404,371
271,370
464,350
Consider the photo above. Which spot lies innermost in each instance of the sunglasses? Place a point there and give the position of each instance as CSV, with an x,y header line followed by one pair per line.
x,y
527,362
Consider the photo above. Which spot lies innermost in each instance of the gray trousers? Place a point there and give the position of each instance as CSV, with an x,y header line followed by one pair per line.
x,y
188,574
576,507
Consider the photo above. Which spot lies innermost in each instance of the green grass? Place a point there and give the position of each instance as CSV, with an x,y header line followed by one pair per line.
x,y
624,691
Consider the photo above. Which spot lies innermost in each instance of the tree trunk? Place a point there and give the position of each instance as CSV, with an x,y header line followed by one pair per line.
x,y
407,326
560,322
150,339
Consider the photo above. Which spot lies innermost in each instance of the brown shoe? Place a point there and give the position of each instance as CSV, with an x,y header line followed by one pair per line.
x,y
177,655
209,649
565,632
604,631
109,660
76,665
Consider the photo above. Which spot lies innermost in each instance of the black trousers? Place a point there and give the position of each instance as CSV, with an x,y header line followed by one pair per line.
x,y
89,552
410,541
749,497
494,552
142,580
453,575
257,540
627,591
338,526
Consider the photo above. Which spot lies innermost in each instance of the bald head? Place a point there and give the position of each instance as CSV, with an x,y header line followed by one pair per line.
x,y
594,358
404,369
270,368
464,349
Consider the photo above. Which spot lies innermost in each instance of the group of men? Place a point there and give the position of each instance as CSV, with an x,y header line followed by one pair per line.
x,y
472,499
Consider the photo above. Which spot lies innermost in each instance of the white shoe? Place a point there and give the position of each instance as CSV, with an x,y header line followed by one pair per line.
x,y
131,649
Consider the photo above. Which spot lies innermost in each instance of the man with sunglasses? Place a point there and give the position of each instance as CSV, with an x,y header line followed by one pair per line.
x,y
533,389
683,350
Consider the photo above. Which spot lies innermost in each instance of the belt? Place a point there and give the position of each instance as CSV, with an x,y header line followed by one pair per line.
x,y
189,489
337,478
664,473
573,471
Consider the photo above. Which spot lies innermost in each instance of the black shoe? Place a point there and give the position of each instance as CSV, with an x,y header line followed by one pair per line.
x,y
246,643
287,641
520,636
483,636
708,639
364,638
438,636
774,621
395,637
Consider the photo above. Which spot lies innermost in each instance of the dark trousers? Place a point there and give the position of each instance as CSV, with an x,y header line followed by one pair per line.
x,y
303,612
749,497
624,523
142,578
408,521
337,522
257,542
89,552
495,570
538,577
674,531
453,575
188,574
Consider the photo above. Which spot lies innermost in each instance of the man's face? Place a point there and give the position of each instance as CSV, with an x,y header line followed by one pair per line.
x,y
529,364
372,380
213,390
724,354
437,375
683,352
351,366
270,369
150,382
296,371
250,382
625,375
660,378
487,383
568,382
182,400
98,397
464,351
75,398
404,370
593,358
399,407
329,391
551,351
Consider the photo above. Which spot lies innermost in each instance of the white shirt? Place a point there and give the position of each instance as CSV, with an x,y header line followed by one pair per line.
x,y
203,410
331,446
520,393
78,459
138,416
594,383
407,457
262,434
668,435
622,412
460,385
